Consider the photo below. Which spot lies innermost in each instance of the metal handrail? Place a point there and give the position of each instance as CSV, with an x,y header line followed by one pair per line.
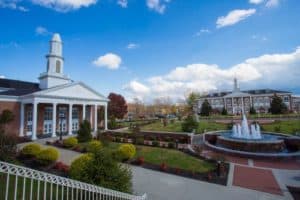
x,y
27,173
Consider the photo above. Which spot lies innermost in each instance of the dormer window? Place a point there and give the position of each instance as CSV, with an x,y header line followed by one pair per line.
x,y
58,66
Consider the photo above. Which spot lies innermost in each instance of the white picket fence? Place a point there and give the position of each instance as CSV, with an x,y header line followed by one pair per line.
x,y
19,182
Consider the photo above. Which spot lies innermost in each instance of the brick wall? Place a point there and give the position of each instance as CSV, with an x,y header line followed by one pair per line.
x,y
14,126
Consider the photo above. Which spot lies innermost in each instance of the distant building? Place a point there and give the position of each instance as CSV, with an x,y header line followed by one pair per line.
x,y
55,104
236,100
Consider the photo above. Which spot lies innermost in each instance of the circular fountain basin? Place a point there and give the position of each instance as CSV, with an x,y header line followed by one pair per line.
x,y
270,145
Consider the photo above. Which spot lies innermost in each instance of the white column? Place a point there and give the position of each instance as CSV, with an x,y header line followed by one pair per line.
x,y
54,120
34,120
243,110
70,119
91,116
21,134
96,119
83,112
232,105
105,117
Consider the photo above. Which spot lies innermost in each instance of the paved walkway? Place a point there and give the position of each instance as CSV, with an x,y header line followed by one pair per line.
x,y
246,181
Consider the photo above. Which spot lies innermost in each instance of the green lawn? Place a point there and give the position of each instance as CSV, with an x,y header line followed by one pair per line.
x,y
176,127
288,127
172,157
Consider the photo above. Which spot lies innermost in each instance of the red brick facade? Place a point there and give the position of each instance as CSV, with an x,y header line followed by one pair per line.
x,y
14,107
14,126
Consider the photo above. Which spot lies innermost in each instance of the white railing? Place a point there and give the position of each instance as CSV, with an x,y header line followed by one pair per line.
x,y
19,182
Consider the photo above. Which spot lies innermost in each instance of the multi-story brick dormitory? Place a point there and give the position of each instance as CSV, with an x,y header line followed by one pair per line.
x,y
55,104
237,100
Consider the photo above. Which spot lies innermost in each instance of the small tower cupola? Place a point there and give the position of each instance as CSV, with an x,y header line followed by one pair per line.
x,y
236,87
55,65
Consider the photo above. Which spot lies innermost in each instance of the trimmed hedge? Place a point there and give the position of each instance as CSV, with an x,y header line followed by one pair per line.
x,y
31,150
47,156
94,146
70,142
127,151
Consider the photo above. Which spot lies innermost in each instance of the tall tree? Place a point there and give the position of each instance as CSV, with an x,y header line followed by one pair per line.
x,y
117,106
192,100
205,108
277,105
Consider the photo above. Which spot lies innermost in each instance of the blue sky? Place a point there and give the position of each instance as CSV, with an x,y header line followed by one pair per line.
x,y
156,48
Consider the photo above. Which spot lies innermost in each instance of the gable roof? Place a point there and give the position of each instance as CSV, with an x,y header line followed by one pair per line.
x,y
17,88
72,90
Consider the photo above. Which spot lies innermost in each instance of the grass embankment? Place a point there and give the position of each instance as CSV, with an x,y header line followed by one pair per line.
x,y
176,127
288,127
171,157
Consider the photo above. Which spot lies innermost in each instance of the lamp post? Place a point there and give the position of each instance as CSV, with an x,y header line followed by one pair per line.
x,y
61,117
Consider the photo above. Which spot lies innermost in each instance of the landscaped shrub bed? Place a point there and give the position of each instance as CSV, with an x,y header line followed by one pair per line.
x,y
34,156
158,139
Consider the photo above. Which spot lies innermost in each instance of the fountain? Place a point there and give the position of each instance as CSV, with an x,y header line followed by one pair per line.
x,y
242,130
248,140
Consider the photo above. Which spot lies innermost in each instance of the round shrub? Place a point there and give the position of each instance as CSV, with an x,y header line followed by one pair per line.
x,y
127,151
70,142
79,166
47,156
94,146
31,150
155,143
171,145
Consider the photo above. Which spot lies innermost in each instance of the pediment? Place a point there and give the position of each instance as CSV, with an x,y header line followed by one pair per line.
x,y
73,90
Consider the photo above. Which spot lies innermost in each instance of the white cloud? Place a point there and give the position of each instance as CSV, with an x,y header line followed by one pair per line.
x,y
158,5
259,37
109,60
268,71
272,3
132,46
13,5
123,3
202,31
2,76
234,17
64,5
256,1
42,31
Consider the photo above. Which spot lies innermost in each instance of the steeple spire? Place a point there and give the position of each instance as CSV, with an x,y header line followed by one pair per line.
x,y
54,74
236,87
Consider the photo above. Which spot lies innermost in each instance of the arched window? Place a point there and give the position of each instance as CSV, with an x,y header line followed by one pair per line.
x,y
58,66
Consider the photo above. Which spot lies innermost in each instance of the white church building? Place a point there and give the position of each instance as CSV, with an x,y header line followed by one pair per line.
x,y
55,104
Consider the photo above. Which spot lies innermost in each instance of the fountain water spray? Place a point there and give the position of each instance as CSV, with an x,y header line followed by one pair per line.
x,y
242,130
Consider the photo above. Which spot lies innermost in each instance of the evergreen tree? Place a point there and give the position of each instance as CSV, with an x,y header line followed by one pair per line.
x,y
277,105
84,132
224,111
189,124
205,108
252,110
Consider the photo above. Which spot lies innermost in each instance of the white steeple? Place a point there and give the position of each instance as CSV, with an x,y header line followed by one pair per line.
x,y
55,65
236,87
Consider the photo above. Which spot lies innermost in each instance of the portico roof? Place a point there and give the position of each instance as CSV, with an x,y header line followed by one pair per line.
x,y
74,90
